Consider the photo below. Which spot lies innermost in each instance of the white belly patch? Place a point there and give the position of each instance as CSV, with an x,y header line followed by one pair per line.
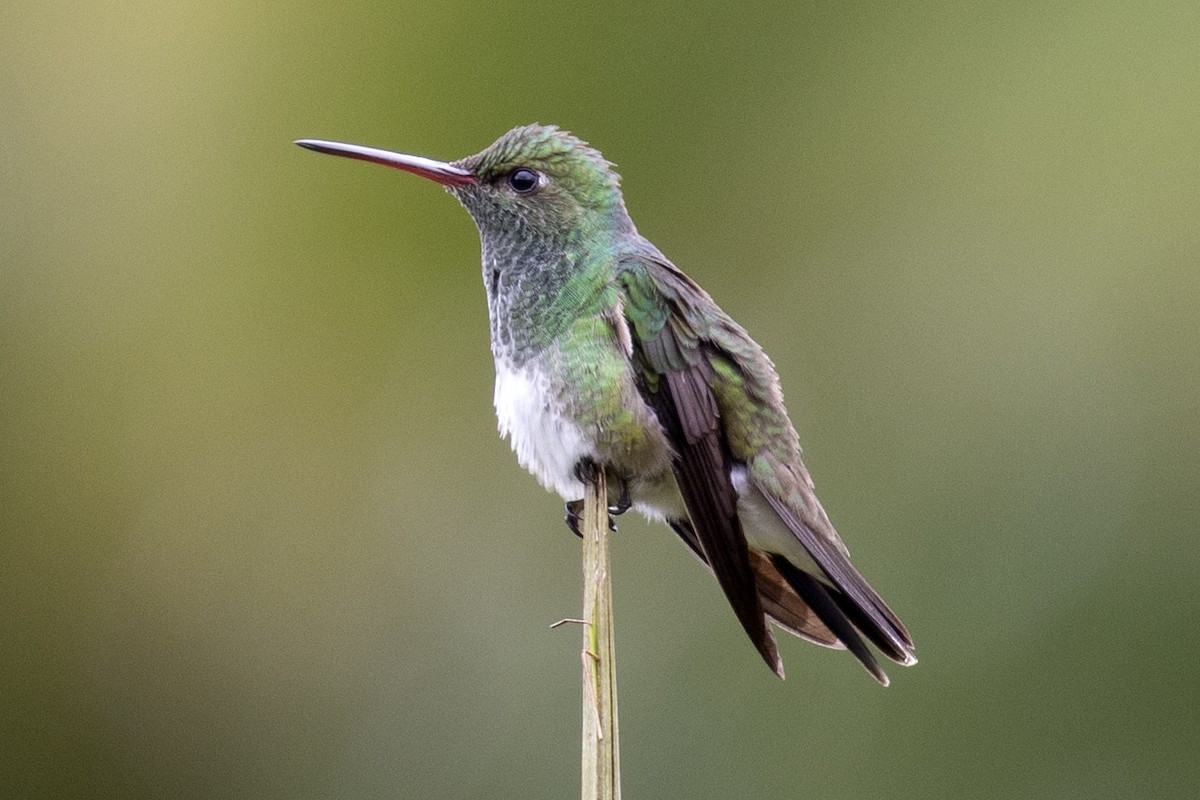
x,y
546,443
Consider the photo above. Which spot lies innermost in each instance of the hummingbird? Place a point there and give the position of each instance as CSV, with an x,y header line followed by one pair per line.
x,y
609,357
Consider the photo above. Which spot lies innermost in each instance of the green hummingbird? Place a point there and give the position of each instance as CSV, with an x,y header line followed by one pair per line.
x,y
608,356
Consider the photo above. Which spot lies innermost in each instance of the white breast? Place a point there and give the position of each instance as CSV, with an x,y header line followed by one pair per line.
x,y
546,443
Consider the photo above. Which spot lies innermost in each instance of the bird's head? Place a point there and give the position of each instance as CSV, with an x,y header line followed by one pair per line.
x,y
534,183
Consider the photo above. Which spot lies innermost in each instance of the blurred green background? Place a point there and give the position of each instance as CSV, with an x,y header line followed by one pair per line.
x,y
261,540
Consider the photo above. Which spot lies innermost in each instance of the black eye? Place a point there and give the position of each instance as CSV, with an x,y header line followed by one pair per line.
x,y
523,180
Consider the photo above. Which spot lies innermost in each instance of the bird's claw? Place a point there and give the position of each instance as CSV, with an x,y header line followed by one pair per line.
x,y
624,503
574,515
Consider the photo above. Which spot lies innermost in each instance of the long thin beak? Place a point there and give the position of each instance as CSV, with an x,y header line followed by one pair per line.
x,y
440,171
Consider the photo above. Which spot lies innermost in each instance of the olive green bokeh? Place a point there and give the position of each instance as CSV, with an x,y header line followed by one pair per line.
x,y
260,539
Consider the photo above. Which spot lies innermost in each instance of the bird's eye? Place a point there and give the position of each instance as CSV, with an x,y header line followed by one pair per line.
x,y
523,180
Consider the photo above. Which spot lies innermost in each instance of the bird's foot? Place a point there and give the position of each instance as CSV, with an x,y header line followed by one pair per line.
x,y
575,515
585,471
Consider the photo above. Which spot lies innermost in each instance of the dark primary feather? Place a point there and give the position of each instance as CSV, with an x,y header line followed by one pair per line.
x,y
683,402
675,380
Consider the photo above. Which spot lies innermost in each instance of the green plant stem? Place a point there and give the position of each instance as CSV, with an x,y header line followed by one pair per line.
x,y
601,755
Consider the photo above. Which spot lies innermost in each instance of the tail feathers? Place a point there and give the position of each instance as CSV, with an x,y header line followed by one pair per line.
x,y
821,601
817,612
870,613
784,606
779,600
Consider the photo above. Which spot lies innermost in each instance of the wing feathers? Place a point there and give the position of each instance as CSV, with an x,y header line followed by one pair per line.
x,y
693,402
675,379
674,345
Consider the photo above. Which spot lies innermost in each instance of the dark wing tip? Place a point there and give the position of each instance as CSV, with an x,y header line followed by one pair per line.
x,y
764,640
893,644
